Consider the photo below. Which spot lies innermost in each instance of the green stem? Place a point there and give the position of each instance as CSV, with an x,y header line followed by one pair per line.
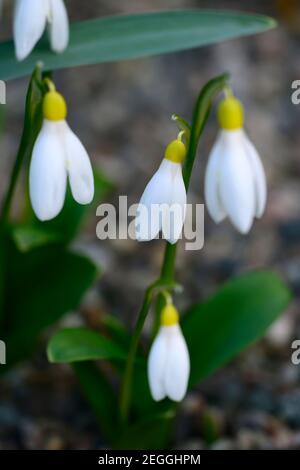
x,y
201,112
32,125
14,178
127,381
159,285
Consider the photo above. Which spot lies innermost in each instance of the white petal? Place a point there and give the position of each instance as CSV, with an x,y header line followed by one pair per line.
x,y
148,220
174,217
29,23
59,25
78,166
156,366
177,368
237,189
47,176
259,176
211,182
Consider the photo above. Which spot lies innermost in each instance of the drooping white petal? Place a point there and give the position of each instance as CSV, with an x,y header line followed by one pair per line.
x,y
156,366
259,176
148,219
47,176
211,183
174,215
29,23
78,165
59,25
177,367
237,190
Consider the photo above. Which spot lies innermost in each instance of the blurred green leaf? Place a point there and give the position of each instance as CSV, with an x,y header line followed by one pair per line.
x,y
133,36
82,344
116,330
100,396
236,316
41,286
28,237
150,434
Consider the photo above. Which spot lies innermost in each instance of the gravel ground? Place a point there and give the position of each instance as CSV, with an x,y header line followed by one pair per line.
x,y
122,112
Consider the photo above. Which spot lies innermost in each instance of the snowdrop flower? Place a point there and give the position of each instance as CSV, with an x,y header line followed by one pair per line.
x,y
169,362
235,183
30,20
163,204
57,155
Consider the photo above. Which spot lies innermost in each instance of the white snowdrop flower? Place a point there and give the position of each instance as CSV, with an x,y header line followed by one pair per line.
x,y
57,155
30,20
163,204
235,182
169,361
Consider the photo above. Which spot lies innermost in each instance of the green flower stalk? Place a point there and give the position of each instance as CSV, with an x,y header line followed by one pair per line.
x,y
201,112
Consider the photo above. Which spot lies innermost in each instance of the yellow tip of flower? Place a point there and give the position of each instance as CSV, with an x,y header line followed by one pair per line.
x,y
231,114
54,106
175,151
169,315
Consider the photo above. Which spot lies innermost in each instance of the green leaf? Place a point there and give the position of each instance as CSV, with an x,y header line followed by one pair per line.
x,y
150,434
116,330
41,286
82,344
236,316
100,396
28,237
133,36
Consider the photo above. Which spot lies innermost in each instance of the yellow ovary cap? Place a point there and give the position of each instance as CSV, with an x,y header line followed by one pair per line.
x,y
231,114
54,106
175,151
169,315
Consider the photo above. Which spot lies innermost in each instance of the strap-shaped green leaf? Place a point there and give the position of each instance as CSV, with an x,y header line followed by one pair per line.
x,y
133,36
236,316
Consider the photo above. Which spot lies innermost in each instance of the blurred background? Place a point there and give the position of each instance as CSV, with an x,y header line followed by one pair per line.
x,y
122,114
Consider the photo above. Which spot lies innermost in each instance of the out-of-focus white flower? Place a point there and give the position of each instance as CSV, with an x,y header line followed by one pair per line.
x,y
163,204
169,362
30,20
58,154
235,183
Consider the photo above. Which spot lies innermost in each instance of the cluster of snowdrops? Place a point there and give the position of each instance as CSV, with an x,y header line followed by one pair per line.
x,y
235,183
